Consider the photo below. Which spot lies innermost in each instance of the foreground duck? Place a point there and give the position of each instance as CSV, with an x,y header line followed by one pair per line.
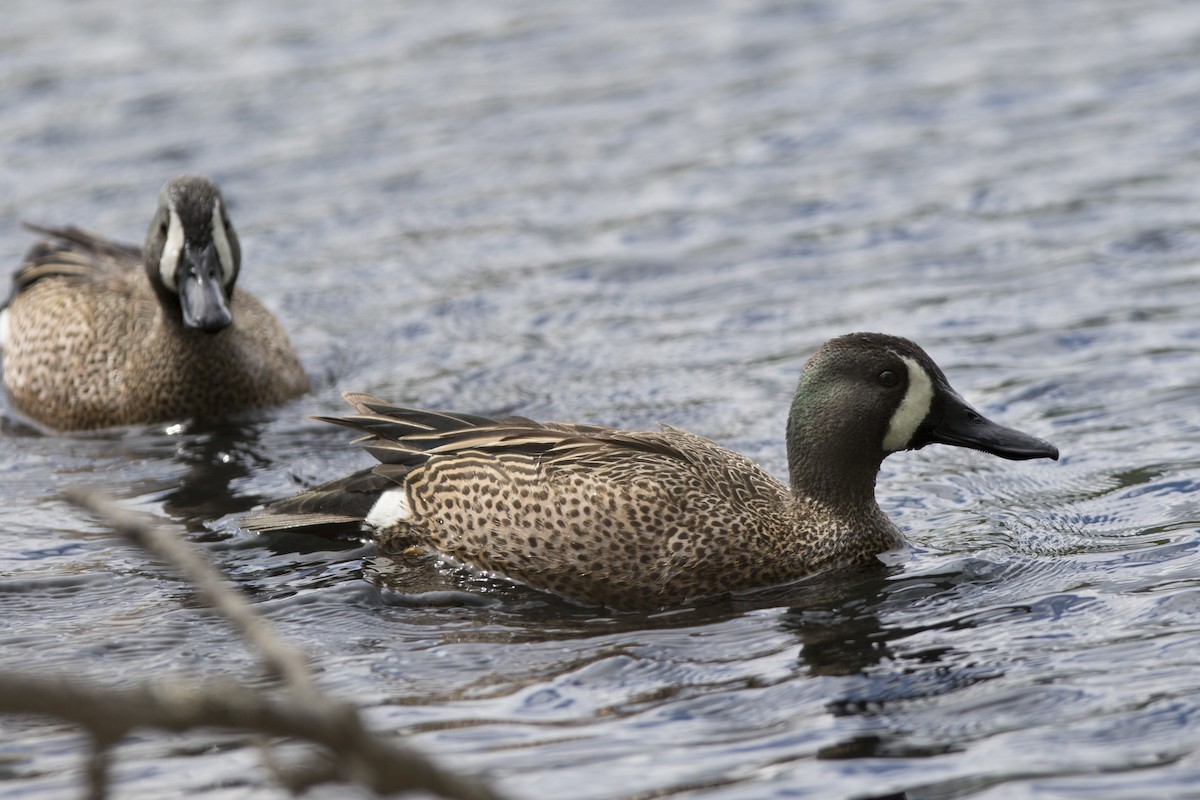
x,y
98,333
638,519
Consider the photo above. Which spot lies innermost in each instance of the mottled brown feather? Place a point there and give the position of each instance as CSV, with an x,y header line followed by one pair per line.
x,y
90,343
648,519
618,518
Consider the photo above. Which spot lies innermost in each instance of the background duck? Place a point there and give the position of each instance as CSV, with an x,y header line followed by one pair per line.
x,y
98,333
641,519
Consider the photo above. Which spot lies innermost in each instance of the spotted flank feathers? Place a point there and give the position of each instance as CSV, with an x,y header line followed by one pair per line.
x,y
651,519
97,333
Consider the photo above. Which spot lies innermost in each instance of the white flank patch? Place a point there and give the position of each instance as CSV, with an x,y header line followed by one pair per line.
x,y
172,251
3,329
391,508
221,241
913,408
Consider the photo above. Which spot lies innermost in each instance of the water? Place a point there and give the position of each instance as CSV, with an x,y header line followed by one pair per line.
x,y
631,213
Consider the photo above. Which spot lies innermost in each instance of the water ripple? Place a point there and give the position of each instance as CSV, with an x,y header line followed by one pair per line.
x,y
639,213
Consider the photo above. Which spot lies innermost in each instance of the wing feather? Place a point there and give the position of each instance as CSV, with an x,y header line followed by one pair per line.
x,y
72,253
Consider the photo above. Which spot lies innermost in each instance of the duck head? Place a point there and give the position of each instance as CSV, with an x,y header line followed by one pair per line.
x,y
192,252
864,396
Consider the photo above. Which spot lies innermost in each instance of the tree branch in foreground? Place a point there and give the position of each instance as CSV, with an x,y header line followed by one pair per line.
x,y
301,712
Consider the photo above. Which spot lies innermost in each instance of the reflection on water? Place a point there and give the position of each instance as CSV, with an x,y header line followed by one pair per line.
x,y
631,214
216,459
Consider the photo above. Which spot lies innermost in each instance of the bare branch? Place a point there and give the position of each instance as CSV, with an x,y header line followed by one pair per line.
x,y
304,712
97,769
178,706
148,534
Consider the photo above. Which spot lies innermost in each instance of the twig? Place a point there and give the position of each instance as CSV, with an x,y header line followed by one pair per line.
x,y
178,706
360,756
97,768
281,659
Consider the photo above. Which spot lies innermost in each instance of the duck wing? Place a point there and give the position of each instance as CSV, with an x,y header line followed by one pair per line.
x,y
72,252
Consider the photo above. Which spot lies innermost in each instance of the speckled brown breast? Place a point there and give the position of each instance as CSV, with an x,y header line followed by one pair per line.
x,y
627,526
98,350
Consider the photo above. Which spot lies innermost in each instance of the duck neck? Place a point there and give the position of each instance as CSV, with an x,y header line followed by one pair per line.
x,y
833,461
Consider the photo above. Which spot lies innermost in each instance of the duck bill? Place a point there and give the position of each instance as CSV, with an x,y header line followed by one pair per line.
x,y
201,296
963,426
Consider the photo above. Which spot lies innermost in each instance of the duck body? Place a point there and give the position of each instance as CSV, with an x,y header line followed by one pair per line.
x,y
611,517
650,519
97,333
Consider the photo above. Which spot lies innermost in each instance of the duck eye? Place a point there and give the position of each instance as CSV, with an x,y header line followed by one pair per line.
x,y
888,379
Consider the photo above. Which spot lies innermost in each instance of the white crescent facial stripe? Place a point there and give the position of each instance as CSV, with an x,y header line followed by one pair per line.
x,y
390,509
913,408
221,241
172,251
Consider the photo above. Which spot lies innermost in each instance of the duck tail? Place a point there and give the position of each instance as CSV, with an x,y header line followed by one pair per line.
x,y
333,510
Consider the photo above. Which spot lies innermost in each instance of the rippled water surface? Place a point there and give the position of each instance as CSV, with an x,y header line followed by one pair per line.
x,y
631,213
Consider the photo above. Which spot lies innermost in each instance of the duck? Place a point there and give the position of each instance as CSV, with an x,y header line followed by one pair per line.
x,y
635,519
97,333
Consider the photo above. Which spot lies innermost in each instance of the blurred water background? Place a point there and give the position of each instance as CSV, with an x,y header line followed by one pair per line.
x,y
631,213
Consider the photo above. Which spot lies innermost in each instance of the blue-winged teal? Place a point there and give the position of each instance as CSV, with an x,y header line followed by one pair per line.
x,y
652,519
97,333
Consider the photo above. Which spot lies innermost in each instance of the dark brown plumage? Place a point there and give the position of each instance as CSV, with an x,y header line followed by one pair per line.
x,y
98,333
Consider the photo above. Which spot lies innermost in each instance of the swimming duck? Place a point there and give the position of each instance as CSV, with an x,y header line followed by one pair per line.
x,y
98,333
650,519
